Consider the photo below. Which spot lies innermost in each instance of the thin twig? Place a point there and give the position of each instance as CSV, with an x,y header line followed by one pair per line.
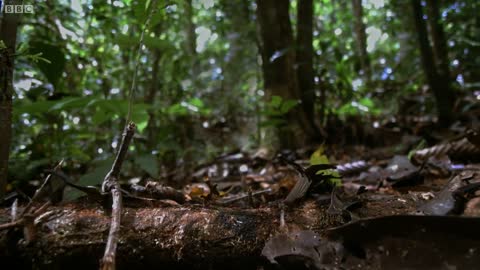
x,y
108,261
12,224
27,216
137,62
28,222
114,173
111,184
41,191
244,196
22,220
14,211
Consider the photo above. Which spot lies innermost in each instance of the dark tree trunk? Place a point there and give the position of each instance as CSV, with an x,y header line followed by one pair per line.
x,y
361,40
438,84
153,88
305,72
439,41
279,75
186,122
8,34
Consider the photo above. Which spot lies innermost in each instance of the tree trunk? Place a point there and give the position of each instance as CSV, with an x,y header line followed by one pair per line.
x,y
186,121
438,84
439,42
153,88
8,34
361,40
278,59
304,57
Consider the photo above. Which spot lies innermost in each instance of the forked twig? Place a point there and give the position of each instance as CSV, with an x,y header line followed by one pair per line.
x,y
41,192
28,215
27,221
111,184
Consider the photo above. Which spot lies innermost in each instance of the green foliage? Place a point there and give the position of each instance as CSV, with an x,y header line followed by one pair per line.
x,y
148,163
275,110
76,62
192,106
55,64
363,106
319,157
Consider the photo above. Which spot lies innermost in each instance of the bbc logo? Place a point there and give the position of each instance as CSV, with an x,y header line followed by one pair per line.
x,y
18,9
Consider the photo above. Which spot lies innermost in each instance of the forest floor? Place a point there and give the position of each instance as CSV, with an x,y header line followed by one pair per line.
x,y
350,207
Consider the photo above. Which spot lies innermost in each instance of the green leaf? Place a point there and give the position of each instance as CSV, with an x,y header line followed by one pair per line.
x,y
96,176
318,157
275,101
125,41
367,102
148,163
76,152
140,118
287,105
38,107
196,102
139,10
177,109
93,178
52,71
71,103
100,116
154,43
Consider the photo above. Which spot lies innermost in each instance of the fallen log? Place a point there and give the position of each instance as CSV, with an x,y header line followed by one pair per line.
x,y
175,236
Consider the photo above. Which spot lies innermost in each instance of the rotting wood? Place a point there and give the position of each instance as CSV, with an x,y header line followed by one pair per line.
x,y
73,237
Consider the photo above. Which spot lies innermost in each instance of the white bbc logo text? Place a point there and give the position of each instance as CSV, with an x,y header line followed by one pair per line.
x,y
18,8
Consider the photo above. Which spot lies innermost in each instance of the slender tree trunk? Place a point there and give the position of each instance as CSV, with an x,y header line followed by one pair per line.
x,y
438,84
278,59
186,122
439,41
153,88
305,56
361,40
8,34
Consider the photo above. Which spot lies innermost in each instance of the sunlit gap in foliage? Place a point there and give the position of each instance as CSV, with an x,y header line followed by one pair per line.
x,y
386,73
374,36
205,36
356,84
373,3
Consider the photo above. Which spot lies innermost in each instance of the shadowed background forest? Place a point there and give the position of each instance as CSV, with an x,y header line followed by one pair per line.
x,y
214,77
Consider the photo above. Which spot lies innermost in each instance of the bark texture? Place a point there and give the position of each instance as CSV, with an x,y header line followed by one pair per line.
x,y
438,82
361,39
279,74
197,237
304,57
8,34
